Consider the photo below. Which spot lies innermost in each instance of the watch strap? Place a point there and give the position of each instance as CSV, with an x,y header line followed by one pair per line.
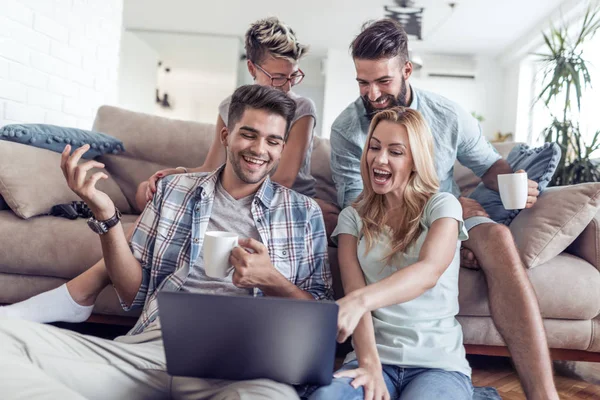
x,y
114,220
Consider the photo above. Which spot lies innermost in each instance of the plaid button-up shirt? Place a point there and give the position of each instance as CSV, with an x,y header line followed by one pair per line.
x,y
168,238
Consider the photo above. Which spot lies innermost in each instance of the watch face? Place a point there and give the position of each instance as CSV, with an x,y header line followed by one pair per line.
x,y
96,226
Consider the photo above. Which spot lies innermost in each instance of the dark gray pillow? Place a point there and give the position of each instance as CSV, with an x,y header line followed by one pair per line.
x,y
539,163
55,138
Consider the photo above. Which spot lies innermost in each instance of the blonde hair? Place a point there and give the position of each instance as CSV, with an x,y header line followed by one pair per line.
x,y
422,184
270,36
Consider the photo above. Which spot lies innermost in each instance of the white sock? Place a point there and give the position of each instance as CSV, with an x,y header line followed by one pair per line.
x,y
51,306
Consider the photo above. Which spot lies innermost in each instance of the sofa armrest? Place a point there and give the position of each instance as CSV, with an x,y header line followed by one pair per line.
x,y
587,244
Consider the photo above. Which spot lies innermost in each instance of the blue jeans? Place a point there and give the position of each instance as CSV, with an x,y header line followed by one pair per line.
x,y
402,383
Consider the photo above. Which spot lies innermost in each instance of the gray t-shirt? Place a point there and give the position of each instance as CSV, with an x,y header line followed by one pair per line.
x,y
422,332
304,183
222,219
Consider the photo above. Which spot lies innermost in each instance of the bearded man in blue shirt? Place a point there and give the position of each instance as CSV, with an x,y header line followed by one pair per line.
x,y
380,54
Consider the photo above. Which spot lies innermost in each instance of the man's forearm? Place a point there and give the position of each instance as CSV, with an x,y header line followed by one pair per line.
x,y
281,287
490,178
124,270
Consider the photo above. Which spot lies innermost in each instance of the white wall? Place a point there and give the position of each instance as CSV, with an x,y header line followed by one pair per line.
x,y
137,74
313,85
195,94
484,95
203,71
243,76
340,87
58,60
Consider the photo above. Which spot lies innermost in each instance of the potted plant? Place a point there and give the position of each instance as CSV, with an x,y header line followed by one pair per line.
x,y
565,77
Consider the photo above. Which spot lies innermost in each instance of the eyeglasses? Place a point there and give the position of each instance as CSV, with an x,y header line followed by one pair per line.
x,y
280,81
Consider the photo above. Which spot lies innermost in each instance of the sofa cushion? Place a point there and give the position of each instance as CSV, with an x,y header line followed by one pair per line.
x,y
587,244
567,287
129,173
320,169
561,334
55,138
539,163
31,181
49,246
152,143
557,219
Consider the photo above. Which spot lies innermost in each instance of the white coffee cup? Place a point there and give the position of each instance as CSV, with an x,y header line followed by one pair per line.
x,y
513,190
217,248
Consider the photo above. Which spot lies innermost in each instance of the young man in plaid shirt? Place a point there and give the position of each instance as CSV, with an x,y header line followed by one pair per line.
x,y
283,253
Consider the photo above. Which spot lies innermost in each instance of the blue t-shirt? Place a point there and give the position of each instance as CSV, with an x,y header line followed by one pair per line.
x,y
456,135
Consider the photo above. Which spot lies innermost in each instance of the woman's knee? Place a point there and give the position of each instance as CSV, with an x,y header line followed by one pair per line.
x,y
258,389
340,388
440,384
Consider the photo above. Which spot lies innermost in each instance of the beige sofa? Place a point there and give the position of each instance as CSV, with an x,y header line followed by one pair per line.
x,y
559,238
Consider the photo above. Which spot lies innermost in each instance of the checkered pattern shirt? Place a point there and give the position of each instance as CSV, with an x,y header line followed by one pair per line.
x,y
168,238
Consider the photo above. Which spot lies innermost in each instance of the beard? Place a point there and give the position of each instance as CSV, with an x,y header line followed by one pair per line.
x,y
395,101
245,176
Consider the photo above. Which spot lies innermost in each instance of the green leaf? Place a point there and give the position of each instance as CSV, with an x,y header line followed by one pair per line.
x,y
550,47
574,75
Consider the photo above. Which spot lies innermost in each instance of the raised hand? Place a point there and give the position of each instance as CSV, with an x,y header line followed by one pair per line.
x,y
85,187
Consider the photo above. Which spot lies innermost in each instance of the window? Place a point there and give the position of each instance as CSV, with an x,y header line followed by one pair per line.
x,y
539,116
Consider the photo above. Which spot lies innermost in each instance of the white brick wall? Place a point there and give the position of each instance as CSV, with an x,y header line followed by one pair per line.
x,y
58,60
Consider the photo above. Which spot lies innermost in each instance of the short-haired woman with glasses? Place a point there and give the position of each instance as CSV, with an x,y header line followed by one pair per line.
x,y
273,53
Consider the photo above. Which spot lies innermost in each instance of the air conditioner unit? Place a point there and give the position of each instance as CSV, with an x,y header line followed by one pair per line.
x,y
449,67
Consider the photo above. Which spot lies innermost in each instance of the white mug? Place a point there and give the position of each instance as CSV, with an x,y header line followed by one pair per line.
x,y
513,190
217,248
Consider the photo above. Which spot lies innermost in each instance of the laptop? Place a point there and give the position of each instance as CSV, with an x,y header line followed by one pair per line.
x,y
241,338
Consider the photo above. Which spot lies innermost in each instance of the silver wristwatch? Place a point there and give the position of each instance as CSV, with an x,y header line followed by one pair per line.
x,y
101,227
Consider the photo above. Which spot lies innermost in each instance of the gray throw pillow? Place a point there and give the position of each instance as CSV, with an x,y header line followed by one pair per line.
x,y
539,163
55,138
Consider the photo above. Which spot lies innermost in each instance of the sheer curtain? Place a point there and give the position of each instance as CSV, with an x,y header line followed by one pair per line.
x,y
590,103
